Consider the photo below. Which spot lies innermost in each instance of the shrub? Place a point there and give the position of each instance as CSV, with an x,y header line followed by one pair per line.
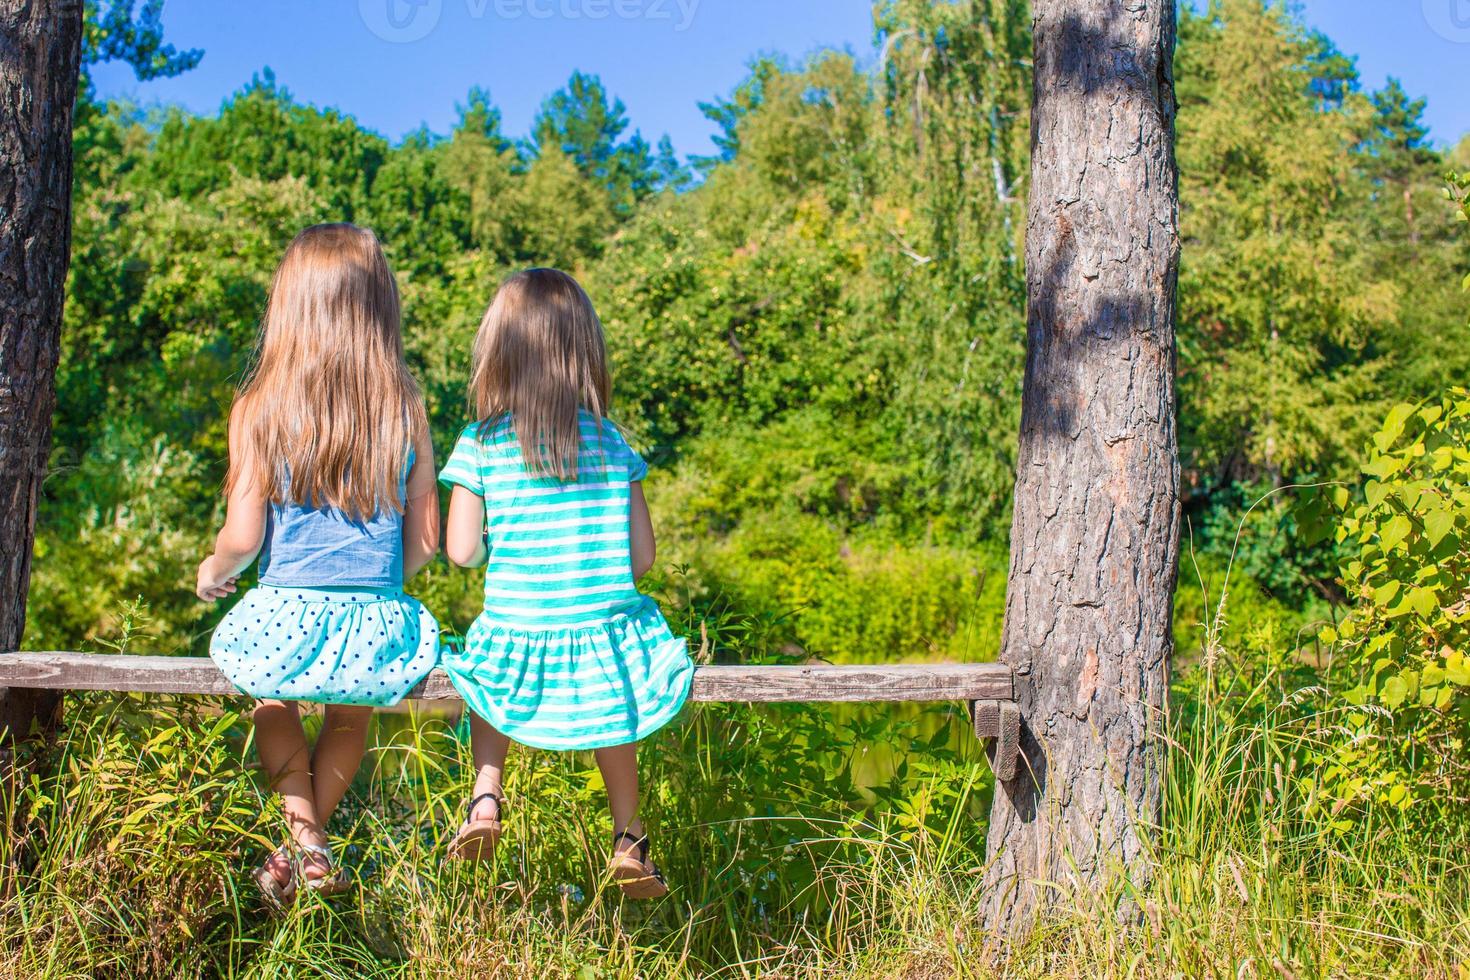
x,y
1406,637
135,526
860,598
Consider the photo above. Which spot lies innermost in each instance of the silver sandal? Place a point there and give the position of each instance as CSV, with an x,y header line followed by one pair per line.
x,y
278,896
334,882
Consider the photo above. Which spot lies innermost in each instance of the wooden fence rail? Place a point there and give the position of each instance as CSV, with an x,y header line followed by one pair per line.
x,y
990,688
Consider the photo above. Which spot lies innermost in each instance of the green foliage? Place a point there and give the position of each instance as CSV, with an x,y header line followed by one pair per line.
x,y
162,304
263,133
418,208
726,112
1407,637
136,532
801,842
830,325
1280,316
113,32
820,346
826,566
1260,530
1220,608
1459,157
849,601
702,335
1458,191
578,122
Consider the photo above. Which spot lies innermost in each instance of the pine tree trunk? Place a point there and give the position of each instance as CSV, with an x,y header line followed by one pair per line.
x,y
40,54
1094,539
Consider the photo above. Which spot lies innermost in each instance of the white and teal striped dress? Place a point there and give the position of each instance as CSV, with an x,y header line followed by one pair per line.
x,y
567,654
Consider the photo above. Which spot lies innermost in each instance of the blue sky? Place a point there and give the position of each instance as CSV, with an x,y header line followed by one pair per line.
x,y
394,64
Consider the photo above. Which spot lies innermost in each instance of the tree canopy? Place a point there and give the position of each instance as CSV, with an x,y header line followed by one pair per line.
x,y
817,330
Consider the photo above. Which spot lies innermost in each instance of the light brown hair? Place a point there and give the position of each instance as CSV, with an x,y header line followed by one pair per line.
x,y
539,356
328,407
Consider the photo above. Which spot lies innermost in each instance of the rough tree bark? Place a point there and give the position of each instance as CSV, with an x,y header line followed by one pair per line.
x,y
40,55
1094,539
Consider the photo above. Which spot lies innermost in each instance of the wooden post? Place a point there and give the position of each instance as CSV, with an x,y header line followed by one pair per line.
x,y
1095,531
999,722
40,55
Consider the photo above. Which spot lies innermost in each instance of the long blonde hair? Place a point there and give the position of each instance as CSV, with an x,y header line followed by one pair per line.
x,y
328,410
539,356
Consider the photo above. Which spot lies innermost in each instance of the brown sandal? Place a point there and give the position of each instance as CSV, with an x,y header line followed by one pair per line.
x,y
476,840
636,876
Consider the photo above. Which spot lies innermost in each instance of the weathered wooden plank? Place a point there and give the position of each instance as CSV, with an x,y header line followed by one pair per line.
x,y
814,682
854,682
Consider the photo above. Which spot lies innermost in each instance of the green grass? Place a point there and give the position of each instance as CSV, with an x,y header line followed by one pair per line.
x,y
130,861
801,841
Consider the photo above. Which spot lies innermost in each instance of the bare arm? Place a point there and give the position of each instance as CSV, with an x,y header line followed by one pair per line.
x,y
421,510
239,541
641,539
464,540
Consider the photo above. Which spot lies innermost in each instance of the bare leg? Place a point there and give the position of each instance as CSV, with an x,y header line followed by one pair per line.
x,y
282,747
619,765
338,755
488,746
629,866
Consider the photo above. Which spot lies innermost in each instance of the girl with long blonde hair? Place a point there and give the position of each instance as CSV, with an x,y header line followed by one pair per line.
x,y
547,494
331,484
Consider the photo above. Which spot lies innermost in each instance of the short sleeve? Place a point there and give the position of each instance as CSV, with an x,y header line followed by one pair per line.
x,y
463,466
637,468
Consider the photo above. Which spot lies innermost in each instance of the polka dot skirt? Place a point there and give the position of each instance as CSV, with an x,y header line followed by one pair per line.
x,y
333,646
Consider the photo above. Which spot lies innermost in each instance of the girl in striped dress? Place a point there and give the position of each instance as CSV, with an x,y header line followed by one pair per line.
x,y
567,654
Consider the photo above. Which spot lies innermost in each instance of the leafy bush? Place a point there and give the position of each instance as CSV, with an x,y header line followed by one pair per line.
x,y
1260,530
139,527
1407,636
850,599
1458,191
1220,609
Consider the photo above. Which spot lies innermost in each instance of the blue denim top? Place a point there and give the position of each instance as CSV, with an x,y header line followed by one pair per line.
x,y
308,546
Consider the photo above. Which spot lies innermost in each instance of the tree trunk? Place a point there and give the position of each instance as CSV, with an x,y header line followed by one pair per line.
x,y
40,54
1094,539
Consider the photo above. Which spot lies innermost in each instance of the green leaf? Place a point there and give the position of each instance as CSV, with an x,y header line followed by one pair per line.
x,y
1395,529
1383,467
1393,426
1422,600
1393,692
1383,594
1437,523
1456,670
